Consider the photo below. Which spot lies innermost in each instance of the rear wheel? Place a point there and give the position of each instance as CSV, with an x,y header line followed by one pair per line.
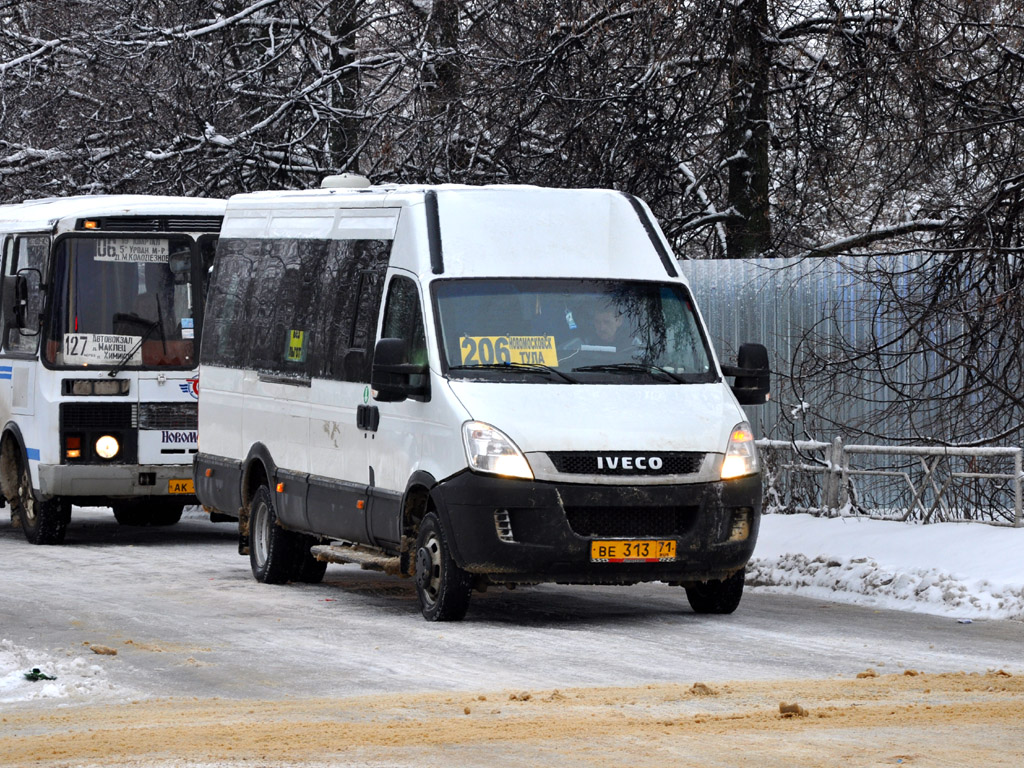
x,y
43,522
275,554
717,595
443,587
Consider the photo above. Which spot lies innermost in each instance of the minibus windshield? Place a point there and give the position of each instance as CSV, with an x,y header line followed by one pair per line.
x,y
571,331
122,302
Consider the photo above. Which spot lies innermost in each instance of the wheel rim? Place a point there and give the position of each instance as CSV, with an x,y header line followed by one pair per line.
x,y
428,569
26,499
260,533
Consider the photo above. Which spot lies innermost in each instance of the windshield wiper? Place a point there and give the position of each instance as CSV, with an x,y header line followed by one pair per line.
x,y
632,368
120,365
522,367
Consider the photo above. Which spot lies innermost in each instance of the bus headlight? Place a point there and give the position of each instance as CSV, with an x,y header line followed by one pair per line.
x,y
490,450
107,447
740,454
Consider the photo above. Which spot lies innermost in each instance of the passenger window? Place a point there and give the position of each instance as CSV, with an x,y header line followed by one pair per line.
x,y
29,254
403,318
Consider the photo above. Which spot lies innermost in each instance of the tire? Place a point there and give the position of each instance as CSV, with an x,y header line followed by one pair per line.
x,y
443,587
43,522
275,554
311,570
717,596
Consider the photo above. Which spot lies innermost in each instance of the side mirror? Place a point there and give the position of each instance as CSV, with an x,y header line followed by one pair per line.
x,y
393,378
753,383
180,264
15,299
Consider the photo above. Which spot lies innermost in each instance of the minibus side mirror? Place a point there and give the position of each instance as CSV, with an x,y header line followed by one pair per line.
x,y
752,385
15,299
393,378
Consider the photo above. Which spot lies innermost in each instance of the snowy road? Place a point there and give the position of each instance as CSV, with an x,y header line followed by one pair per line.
x,y
186,618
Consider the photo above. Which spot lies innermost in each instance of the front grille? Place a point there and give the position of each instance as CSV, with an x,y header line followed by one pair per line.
x,y
626,463
630,522
156,223
87,416
169,416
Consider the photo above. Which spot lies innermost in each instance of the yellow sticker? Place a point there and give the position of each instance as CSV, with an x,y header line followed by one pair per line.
x,y
296,346
496,350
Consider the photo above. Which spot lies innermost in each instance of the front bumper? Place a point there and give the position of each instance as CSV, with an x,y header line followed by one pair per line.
x,y
95,482
528,531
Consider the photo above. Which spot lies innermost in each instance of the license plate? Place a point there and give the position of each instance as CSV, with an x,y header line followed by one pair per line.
x,y
181,486
634,551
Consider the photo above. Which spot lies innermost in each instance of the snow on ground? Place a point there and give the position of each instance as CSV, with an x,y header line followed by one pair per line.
x,y
75,679
965,570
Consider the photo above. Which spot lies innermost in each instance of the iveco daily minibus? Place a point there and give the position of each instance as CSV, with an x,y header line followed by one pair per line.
x,y
102,315
472,386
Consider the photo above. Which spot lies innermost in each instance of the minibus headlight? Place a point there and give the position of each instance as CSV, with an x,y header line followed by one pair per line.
x,y
740,454
107,447
490,450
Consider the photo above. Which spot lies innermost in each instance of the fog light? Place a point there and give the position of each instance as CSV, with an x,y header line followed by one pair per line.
x,y
73,448
107,447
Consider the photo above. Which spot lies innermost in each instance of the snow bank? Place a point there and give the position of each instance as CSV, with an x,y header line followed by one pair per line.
x,y
966,570
75,679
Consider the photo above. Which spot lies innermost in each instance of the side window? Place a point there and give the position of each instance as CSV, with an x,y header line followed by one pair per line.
x,y
31,255
227,328
403,318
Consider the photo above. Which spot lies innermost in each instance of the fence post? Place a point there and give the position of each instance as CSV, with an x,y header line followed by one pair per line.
x,y
833,484
1018,471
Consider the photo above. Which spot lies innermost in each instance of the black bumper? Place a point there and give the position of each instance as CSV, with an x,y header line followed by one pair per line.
x,y
524,531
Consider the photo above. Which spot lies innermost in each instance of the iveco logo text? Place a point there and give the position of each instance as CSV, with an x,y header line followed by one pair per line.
x,y
629,462
168,436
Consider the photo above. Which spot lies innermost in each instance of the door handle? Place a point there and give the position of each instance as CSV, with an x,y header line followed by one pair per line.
x,y
368,417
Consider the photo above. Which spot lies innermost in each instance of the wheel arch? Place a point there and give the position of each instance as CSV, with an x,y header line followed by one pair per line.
x,y
13,456
416,502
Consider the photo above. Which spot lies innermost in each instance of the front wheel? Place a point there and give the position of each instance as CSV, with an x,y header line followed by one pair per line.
x,y
275,554
443,587
717,595
43,522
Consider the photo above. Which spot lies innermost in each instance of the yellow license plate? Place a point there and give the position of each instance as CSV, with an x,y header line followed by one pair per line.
x,y
181,486
634,551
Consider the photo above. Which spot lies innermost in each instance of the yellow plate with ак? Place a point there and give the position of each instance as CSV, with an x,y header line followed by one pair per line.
x,y
633,551
181,486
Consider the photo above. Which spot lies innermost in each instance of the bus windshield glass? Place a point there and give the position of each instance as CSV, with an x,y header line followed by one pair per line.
x,y
571,331
124,302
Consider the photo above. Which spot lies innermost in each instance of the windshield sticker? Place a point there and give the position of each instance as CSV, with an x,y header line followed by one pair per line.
x,y
498,350
135,249
296,352
102,349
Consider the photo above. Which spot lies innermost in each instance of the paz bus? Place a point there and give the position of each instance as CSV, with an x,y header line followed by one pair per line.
x,y
102,310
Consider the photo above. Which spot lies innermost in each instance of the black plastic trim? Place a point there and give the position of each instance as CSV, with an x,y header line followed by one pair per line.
x,y
434,233
652,233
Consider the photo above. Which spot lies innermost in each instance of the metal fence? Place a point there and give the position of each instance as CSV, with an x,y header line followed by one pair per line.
x,y
924,484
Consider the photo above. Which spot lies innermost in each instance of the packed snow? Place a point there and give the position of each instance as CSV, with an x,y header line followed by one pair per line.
x,y
67,680
965,571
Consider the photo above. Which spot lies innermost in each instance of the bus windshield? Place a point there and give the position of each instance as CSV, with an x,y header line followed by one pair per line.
x,y
571,331
124,302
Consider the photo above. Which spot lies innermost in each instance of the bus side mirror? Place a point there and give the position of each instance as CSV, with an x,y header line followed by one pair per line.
x,y
393,378
15,300
753,384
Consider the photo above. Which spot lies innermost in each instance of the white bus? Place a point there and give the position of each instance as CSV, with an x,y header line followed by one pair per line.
x,y
99,335
472,386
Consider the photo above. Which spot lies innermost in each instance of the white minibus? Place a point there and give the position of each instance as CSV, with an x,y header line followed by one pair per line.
x,y
472,386
102,311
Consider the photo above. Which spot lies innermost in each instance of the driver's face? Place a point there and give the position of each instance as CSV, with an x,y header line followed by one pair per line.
x,y
606,323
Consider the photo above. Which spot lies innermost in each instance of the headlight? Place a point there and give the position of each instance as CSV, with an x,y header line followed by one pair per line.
x,y
490,450
107,447
740,454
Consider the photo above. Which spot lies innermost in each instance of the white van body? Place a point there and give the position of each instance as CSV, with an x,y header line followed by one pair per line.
x,y
309,283
102,317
